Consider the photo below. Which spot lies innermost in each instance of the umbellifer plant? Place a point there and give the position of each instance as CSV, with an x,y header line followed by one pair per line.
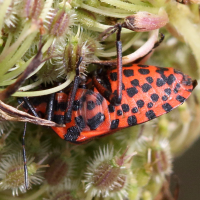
x,y
134,163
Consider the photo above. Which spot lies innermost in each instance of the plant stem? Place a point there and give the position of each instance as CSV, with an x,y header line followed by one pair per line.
x,y
130,7
3,8
47,91
106,12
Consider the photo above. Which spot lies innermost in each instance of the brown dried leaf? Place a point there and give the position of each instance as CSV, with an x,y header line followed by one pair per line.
x,y
12,114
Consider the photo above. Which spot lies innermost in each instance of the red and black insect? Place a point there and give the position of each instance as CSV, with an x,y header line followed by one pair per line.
x,y
110,100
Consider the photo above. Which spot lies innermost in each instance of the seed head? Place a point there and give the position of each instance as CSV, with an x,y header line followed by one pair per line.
x,y
65,191
59,22
12,173
106,175
60,168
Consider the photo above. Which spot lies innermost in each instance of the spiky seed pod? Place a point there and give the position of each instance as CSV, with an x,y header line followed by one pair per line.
x,y
11,15
49,73
60,168
59,23
12,173
32,8
68,190
106,175
82,45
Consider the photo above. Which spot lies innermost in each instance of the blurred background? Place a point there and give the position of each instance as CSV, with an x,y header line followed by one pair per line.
x,y
187,168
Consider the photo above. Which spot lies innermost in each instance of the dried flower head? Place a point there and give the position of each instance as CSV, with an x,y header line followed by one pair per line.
x,y
144,21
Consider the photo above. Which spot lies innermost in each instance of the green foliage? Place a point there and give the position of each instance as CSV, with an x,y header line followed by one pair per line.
x,y
130,164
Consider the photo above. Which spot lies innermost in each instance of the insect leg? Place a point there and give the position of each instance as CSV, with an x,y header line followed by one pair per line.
x,y
26,181
72,93
119,66
112,98
30,106
50,107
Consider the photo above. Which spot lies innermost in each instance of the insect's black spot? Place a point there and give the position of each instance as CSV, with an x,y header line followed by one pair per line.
x,y
150,114
111,108
114,124
76,105
99,99
90,105
135,82
113,76
80,122
146,87
140,103
125,107
167,107
149,79
143,71
150,105
168,91
115,92
36,101
83,98
177,72
177,87
119,112
96,121
189,90
180,98
128,72
171,78
59,119
131,91
72,134
154,97
106,94
186,81
60,106
134,110
132,120
89,92
175,90
161,70
123,86
160,82
164,98
145,66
